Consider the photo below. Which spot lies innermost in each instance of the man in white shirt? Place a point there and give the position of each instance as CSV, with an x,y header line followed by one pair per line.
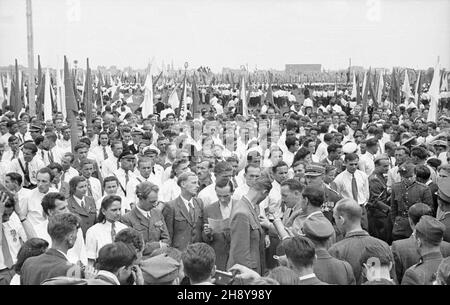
x,y
55,204
94,187
125,173
54,153
222,170
68,171
280,173
112,164
28,165
401,155
170,189
321,152
65,144
146,172
366,161
32,207
103,151
353,183
14,151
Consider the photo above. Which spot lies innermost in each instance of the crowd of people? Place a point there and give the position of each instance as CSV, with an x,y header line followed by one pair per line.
x,y
321,193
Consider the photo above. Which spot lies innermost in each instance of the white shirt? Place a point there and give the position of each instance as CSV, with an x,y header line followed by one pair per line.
x,y
32,208
343,183
96,188
274,200
208,195
321,152
225,210
70,173
121,176
97,151
187,203
63,145
44,159
33,167
15,237
138,178
8,156
366,163
169,191
393,177
109,166
99,235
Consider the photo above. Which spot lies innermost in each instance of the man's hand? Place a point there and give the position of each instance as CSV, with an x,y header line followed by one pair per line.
x,y
265,223
244,273
137,275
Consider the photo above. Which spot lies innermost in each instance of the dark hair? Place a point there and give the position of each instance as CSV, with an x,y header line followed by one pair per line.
x,y
30,146
175,165
263,184
419,152
290,141
221,167
131,237
38,140
198,261
301,154
12,139
417,210
278,165
60,225
73,183
422,172
48,202
33,247
15,177
299,250
57,166
371,142
328,137
314,194
71,155
404,148
112,257
351,157
293,184
109,179
46,170
80,145
376,254
333,147
284,276
106,203
144,189
224,182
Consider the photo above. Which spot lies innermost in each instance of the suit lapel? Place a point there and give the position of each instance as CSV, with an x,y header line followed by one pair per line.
x,y
141,218
183,210
252,210
76,206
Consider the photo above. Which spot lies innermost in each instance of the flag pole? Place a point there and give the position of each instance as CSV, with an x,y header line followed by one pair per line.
x,y
31,83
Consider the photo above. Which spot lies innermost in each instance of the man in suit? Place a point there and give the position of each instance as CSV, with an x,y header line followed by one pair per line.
x,y
405,250
219,241
301,255
327,268
428,236
147,219
184,215
114,263
63,232
247,236
444,205
81,205
377,264
347,216
137,137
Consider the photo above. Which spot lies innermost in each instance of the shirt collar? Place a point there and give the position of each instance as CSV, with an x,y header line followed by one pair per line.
x,y
145,213
356,233
65,256
109,275
77,199
308,276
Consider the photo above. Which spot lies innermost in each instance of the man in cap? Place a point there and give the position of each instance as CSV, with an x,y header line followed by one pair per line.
x,y
347,215
377,206
35,130
401,155
162,269
126,171
404,194
405,250
444,205
366,161
137,137
428,236
327,268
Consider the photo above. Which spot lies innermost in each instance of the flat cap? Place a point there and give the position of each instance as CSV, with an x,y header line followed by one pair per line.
x,y
318,227
159,269
349,148
431,228
126,154
314,170
35,128
444,188
381,157
439,143
406,169
406,137
417,210
152,149
137,131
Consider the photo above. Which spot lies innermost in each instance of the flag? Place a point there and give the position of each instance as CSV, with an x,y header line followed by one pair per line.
x,y
195,97
406,88
87,97
353,94
433,92
365,98
372,90
71,104
269,96
444,85
147,104
47,97
183,96
60,96
17,101
358,91
380,89
2,91
99,96
173,101
417,91
244,101
364,82
8,89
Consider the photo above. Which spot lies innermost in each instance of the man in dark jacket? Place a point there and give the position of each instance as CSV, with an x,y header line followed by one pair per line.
x,y
444,204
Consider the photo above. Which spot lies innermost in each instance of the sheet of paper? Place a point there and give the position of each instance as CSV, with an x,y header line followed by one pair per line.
x,y
219,225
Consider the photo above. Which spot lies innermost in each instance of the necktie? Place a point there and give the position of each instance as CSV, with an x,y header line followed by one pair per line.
x,y
42,154
118,164
105,155
89,187
354,188
82,204
50,157
27,173
21,138
113,231
191,211
127,178
7,258
63,176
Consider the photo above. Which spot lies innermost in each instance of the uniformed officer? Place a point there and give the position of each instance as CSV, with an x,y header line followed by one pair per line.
x,y
377,206
428,235
444,205
404,194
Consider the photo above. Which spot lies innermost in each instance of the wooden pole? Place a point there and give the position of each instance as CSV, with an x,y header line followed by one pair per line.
x,y
31,83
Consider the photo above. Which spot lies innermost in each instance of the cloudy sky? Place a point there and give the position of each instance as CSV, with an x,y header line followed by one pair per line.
x,y
229,33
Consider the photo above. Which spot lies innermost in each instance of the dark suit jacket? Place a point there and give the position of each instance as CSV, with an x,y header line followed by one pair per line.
x,y
50,264
247,237
153,229
331,270
311,281
133,149
406,254
182,229
446,222
423,273
220,242
88,214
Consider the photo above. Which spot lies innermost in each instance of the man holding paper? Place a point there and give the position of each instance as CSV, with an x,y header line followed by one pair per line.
x,y
216,219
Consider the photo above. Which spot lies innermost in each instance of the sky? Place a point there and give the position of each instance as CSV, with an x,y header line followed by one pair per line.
x,y
261,34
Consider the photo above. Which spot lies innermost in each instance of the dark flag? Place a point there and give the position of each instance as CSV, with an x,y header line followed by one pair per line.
x,y
195,97
365,99
71,104
87,96
17,101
